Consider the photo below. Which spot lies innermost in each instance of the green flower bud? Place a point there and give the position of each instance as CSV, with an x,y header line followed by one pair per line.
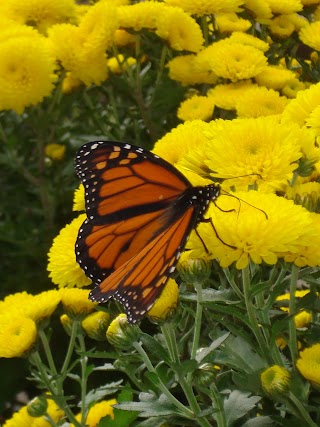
x,y
37,407
121,334
275,380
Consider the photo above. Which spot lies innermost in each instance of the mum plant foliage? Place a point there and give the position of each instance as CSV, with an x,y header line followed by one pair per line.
x,y
227,91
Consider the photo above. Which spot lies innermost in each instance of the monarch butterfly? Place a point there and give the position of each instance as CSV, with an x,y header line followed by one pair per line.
x,y
140,212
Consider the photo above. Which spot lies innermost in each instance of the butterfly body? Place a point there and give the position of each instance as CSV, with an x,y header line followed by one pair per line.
x,y
140,212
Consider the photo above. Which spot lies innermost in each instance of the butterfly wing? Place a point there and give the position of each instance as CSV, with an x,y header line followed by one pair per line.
x,y
139,281
128,192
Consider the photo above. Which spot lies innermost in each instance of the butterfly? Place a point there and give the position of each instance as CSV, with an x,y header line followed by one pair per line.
x,y
140,211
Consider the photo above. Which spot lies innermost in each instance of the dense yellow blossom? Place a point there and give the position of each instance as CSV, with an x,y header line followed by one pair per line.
x,y
249,40
63,268
196,108
262,149
274,77
285,6
306,194
226,95
260,9
78,199
185,70
181,140
27,68
166,303
300,109
229,22
291,89
232,61
140,15
22,418
40,13
179,29
204,7
282,26
76,302
253,232
310,35
309,363
97,412
259,102
17,334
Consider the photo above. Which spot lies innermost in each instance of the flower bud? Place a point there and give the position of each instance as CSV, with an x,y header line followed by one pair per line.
x,y
194,270
37,407
96,324
275,380
66,323
165,306
121,334
205,374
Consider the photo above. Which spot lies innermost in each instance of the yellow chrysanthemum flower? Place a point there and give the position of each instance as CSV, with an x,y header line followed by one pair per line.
x,y
196,108
179,29
76,302
140,15
226,95
166,303
96,324
262,149
259,102
313,121
118,64
285,6
181,140
291,89
305,194
232,61
301,319
184,70
260,9
260,232
274,77
35,307
249,40
63,268
97,412
121,334
40,13
55,151
22,418
299,109
78,199
70,83
309,364
282,26
207,7
275,380
17,335
81,50
123,38
308,252
27,69
229,22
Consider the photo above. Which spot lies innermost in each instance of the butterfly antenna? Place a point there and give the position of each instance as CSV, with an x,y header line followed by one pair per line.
x,y
215,232
241,200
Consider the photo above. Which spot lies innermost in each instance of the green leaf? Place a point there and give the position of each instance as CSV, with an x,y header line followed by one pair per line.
x,y
239,404
204,352
155,347
259,422
99,393
152,408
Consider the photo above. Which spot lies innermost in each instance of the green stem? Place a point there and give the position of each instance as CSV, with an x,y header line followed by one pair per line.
x,y
220,415
74,332
197,321
47,351
232,283
184,411
302,411
293,345
252,315
171,342
83,362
